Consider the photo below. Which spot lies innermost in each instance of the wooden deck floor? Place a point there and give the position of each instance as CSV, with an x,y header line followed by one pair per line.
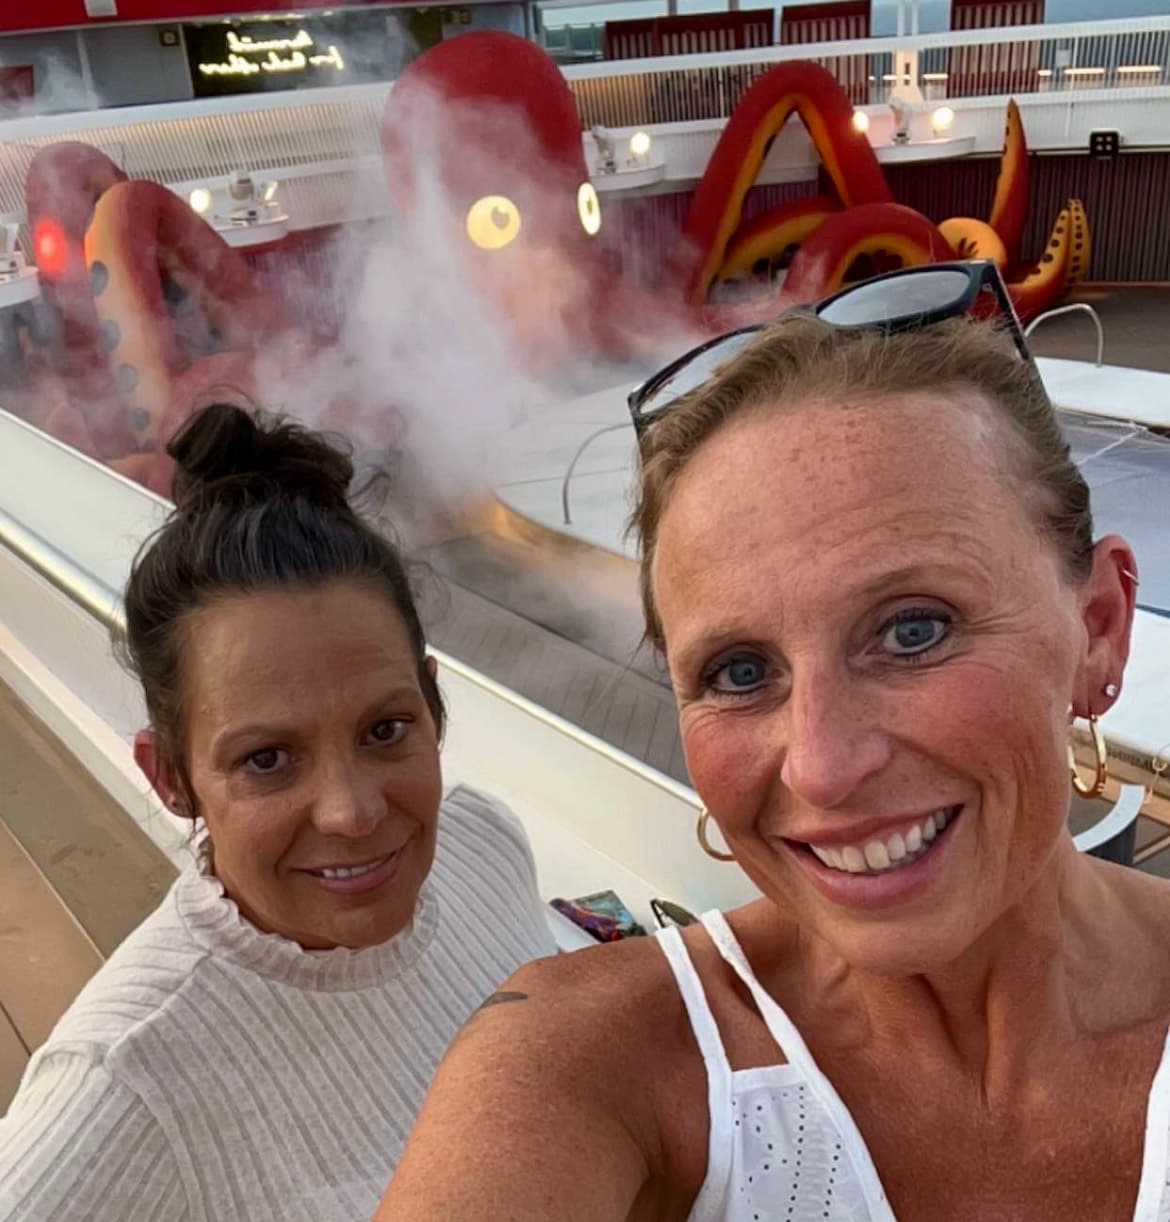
x,y
76,876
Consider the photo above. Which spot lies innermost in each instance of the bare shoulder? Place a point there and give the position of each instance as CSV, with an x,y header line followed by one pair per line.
x,y
600,1006
555,1071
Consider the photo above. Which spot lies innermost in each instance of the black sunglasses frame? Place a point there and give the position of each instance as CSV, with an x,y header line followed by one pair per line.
x,y
981,274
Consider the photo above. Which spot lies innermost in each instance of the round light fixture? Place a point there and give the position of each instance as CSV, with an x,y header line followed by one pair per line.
x,y
860,121
640,144
493,222
589,208
942,119
200,201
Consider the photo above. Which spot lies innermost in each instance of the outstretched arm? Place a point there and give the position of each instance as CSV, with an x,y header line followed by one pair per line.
x,y
531,1115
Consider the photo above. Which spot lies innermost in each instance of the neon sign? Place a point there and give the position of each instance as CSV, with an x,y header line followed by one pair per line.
x,y
243,48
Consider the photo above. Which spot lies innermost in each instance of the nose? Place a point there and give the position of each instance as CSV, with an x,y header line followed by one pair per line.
x,y
349,802
835,740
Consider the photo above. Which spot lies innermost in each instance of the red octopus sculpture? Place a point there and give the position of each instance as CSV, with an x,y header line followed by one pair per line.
x,y
456,90
484,154
155,313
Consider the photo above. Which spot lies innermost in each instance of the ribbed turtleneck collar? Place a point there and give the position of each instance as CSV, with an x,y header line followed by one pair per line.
x,y
216,923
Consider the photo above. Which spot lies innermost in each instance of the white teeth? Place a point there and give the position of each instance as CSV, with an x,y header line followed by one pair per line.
x,y
878,856
350,872
829,856
853,859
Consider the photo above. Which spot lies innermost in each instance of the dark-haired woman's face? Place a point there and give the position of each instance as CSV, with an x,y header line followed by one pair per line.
x,y
314,760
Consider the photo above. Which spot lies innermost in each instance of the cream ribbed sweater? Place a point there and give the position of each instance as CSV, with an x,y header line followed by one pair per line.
x,y
212,1072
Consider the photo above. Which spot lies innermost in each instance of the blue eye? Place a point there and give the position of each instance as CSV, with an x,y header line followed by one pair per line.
x,y
739,675
914,632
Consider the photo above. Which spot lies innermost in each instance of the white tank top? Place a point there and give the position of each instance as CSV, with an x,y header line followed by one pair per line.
x,y
783,1146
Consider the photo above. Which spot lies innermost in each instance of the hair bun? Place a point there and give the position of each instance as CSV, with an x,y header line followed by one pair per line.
x,y
224,454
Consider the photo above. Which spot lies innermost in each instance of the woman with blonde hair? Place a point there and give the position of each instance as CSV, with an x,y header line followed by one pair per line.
x,y
869,561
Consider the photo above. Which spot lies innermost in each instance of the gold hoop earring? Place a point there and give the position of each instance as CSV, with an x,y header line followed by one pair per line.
x,y
1101,772
705,844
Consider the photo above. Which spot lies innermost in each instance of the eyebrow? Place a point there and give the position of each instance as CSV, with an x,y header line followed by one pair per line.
x,y
727,634
911,575
223,743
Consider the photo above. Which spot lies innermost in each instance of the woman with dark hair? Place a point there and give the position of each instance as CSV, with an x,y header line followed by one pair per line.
x,y
259,1046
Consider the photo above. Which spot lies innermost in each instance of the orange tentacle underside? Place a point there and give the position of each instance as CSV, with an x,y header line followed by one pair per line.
x,y
825,110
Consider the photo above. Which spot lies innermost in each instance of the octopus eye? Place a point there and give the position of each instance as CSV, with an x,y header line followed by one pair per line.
x,y
589,208
493,222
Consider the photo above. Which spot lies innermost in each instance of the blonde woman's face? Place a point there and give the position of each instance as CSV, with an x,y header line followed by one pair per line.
x,y
874,653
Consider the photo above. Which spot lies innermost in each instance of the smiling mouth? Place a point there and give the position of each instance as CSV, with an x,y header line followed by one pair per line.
x,y
338,872
882,855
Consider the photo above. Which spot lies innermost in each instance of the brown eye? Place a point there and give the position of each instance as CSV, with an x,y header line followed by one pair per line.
x,y
389,730
267,760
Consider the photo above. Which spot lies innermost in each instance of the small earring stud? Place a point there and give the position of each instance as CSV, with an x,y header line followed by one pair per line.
x,y
1111,690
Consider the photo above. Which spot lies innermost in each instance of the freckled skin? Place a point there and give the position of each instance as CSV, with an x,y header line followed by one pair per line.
x,y
333,667
994,1028
775,532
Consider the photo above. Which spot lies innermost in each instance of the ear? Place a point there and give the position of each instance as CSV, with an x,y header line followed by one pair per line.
x,y
1107,607
158,771
432,665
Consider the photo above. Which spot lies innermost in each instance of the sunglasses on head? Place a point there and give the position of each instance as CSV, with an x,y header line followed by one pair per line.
x,y
898,301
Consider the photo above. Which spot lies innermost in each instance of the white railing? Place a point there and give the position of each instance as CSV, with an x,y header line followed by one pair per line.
x,y
293,135
178,142
1124,54
69,527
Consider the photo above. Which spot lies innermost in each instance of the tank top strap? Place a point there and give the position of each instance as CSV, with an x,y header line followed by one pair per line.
x,y
780,1026
695,999
790,1042
720,1103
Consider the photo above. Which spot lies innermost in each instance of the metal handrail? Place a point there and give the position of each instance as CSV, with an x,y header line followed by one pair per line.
x,y
96,598
609,428
1077,307
86,591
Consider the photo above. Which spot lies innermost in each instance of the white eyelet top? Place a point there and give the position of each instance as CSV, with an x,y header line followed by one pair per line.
x,y
784,1147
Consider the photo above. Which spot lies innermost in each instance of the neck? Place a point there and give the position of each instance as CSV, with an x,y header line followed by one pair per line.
x,y
1033,982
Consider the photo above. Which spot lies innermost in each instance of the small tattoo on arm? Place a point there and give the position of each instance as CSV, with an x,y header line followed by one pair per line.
x,y
496,999
502,998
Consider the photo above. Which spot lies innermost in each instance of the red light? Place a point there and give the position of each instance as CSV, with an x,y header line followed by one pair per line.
x,y
51,248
